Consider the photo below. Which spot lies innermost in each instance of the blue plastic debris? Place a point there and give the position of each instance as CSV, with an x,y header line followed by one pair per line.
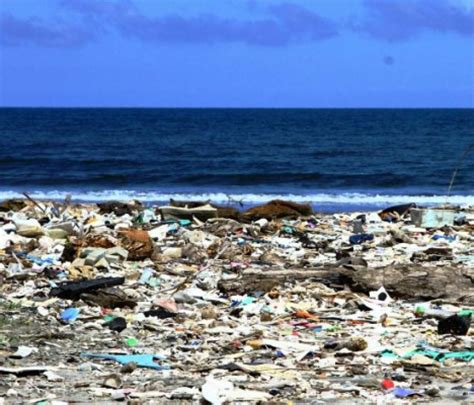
x,y
400,392
70,314
447,238
146,274
360,238
142,360
37,260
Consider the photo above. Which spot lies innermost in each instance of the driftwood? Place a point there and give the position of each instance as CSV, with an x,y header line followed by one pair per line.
x,y
203,212
278,209
265,280
416,282
407,282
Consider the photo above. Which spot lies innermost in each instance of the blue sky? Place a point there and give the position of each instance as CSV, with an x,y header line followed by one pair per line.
x,y
237,53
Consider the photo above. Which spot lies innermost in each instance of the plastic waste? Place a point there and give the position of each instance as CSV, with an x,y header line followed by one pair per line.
x,y
216,392
146,275
160,313
142,360
256,304
447,238
380,295
428,311
131,342
400,392
117,324
22,352
387,384
69,315
73,289
360,238
30,228
455,325
397,212
432,218
434,354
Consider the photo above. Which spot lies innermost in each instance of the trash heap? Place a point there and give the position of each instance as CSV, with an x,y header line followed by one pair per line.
x,y
194,302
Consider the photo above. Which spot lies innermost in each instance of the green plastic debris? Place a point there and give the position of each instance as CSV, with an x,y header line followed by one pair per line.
x,y
109,318
419,309
131,342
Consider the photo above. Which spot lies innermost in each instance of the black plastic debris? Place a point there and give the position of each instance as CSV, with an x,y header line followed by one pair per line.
x,y
160,313
455,325
117,324
74,289
393,214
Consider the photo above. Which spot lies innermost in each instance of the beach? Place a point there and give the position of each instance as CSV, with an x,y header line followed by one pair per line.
x,y
189,302
236,202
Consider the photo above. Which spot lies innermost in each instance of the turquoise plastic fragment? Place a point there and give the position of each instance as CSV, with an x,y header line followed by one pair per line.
x,y
172,228
466,312
247,301
434,354
388,354
142,360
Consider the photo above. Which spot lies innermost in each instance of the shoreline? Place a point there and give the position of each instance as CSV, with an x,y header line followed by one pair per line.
x,y
322,203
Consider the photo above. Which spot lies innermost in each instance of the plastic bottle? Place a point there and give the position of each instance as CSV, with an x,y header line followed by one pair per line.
x,y
428,311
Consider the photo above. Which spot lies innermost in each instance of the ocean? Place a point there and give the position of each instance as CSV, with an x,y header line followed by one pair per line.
x,y
335,159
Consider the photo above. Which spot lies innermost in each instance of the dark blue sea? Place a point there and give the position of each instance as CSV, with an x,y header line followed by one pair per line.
x,y
336,159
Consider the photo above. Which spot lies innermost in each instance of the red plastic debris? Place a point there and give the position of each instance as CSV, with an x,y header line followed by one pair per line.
x,y
387,384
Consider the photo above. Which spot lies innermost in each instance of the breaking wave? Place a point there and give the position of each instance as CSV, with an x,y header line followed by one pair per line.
x,y
317,199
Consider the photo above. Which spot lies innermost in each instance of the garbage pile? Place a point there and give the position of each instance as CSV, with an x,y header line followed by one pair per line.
x,y
195,302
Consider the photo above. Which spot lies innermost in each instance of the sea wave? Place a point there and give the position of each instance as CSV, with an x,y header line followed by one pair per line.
x,y
322,199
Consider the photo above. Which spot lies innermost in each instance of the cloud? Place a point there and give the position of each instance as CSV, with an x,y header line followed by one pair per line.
x,y
388,60
15,32
283,24
276,25
400,20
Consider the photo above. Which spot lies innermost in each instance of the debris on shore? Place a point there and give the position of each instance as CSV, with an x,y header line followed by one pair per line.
x,y
190,302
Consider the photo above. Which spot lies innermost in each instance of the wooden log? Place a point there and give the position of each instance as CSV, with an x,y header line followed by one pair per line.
x,y
253,280
407,282
417,282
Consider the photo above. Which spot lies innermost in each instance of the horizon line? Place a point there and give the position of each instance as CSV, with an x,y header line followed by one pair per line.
x,y
236,108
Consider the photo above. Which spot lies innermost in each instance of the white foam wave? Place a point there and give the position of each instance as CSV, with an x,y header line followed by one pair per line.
x,y
249,198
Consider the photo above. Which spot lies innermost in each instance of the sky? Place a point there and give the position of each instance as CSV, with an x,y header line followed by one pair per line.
x,y
237,53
